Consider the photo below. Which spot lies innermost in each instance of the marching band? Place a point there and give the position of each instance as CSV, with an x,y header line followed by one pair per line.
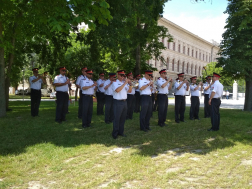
x,y
122,95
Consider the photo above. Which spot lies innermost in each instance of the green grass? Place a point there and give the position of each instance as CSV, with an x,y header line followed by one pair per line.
x,y
37,152
28,97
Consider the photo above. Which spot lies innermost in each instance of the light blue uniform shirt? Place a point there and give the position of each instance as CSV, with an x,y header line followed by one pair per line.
x,y
217,87
194,92
161,90
122,95
182,90
109,90
35,85
147,90
61,79
87,83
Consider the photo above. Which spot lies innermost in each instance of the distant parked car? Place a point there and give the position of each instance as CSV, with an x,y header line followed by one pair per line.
x,y
52,94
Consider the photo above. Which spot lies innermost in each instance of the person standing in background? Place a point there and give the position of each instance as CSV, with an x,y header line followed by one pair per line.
x,y
206,87
100,94
35,84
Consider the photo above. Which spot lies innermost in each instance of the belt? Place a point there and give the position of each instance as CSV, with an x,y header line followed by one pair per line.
x,y
216,98
180,95
146,95
121,99
162,94
87,95
36,89
130,94
61,91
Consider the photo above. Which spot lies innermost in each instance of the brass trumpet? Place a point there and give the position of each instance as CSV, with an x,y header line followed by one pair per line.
x,y
135,84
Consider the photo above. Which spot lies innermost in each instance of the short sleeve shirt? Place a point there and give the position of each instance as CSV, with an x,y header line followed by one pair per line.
x,y
161,90
122,95
99,82
109,90
61,79
182,90
147,90
35,85
81,77
87,83
217,87
205,85
194,92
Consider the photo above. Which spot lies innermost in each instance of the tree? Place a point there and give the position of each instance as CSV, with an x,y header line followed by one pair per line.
x,y
21,20
235,48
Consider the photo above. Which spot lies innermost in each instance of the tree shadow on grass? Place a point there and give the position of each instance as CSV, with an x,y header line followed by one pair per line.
x,y
19,130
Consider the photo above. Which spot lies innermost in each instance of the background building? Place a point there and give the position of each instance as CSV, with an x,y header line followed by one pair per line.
x,y
187,53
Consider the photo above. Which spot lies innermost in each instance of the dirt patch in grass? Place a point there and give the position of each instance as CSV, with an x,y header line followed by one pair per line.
x,y
104,185
246,162
35,185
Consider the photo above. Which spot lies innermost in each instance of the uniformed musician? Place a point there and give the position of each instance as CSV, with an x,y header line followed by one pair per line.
x,y
109,111
195,102
120,89
100,94
137,95
181,86
164,86
215,102
206,87
88,87
61,83
130,98
146,100
35,83
81,77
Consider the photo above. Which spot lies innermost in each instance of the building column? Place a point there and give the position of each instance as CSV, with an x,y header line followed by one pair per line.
x,y
235,91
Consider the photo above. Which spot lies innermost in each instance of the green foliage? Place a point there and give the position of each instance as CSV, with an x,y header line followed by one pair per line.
x,y
236,47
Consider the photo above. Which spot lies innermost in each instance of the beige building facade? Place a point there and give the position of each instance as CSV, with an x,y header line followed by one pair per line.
x,y
187,53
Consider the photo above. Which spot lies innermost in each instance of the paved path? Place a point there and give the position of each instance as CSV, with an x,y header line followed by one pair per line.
x,y
228,104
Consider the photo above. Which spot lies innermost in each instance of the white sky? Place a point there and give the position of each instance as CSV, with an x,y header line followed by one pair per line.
x,y
204,19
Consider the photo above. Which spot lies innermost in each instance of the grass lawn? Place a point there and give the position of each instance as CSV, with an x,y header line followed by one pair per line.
x,y
39,153
29,97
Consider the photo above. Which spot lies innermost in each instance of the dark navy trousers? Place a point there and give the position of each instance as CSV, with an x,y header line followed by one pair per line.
x,y
137,104
120,113
100,102
146,110
207,107
130,105
87,110
215,114
194,110
62,103
162,108
179,108
35,101
109,109
80,105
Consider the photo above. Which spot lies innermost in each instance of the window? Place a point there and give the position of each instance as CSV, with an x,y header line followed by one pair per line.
x,y
203,57
174,46
199,70
173,65
192,53
178,67
183,65
206,57
187,67
188,52
192,69
167,62
195,70
200,56
179,48
184,49
168,45
196,54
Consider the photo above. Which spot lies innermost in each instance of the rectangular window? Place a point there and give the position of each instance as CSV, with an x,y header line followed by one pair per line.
x,y
174,46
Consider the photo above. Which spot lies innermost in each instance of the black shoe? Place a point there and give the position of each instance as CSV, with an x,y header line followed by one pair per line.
x,y
79,117
64,120
177,121
88,125
58,122
148,129
198,118
114,137
144,130
210,129
183,121
84,126
107,122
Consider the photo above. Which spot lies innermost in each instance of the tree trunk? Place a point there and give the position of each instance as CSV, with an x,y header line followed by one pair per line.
x,y
2,76
138,60
248,96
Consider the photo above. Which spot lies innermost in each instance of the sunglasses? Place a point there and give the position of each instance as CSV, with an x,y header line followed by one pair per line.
x,y
63,70
90,74
150,75
122,75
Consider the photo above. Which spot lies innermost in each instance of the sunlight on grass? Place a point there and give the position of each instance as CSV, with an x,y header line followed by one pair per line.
x,y
39,153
